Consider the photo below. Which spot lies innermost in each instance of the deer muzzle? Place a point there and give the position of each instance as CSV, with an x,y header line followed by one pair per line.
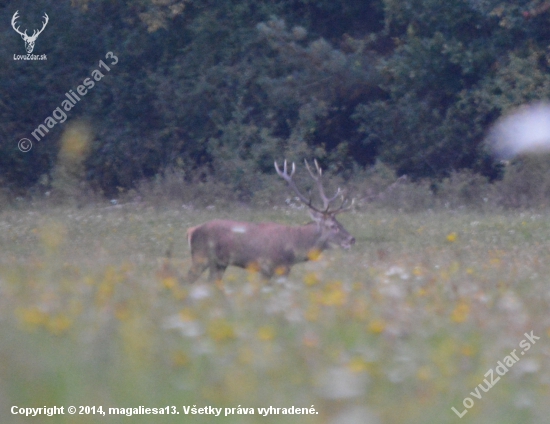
x,y
346,244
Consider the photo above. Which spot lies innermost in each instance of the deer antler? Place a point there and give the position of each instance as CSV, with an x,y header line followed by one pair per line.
x,y
343,208
288,178
317,178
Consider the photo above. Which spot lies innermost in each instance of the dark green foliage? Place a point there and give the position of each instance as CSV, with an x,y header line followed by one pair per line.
x,y
453,71
74,42
218,90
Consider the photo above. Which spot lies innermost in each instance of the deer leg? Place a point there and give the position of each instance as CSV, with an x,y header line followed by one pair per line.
x,y
197,268
216,272
266,275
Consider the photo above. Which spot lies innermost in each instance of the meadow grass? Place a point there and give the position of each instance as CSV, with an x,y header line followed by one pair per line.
x,y
399,329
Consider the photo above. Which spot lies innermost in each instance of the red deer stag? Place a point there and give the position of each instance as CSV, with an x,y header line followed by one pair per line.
x,y
267,247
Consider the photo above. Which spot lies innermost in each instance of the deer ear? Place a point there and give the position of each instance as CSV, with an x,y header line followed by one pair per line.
x,y
316,216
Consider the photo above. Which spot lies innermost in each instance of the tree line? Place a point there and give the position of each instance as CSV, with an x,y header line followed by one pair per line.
x,y
218,89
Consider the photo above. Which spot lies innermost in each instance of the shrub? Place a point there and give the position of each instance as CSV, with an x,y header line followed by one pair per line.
x,y
526,183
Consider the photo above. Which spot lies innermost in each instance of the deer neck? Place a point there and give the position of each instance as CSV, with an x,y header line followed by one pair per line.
x,y
308,239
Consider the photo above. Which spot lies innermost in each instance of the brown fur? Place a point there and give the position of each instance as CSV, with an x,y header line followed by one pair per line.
x,y
190,232
265,247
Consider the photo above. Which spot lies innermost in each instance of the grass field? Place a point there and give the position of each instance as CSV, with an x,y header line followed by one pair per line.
x,y
400,329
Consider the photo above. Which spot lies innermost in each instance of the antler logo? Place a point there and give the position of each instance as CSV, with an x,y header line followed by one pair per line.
x,y
29,40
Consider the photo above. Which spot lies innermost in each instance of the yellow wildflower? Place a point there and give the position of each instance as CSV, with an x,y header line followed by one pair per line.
x,y
358,364
313,254
377,326
58,324
221,330
169,282
281,270
266,333
32,316
253,267
311,279
451,237
334,294
461,312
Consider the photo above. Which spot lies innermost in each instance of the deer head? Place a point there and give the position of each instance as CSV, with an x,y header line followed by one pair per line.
x,y
332,232
29,40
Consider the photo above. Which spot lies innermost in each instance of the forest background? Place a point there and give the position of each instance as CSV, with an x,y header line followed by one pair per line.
x,y
207,94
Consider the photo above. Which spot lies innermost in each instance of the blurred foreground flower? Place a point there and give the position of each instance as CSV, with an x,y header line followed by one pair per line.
x,y
311,279
358,364
266,333
220,330
377,326
451,237
59,324
333,294
31,317
460,312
